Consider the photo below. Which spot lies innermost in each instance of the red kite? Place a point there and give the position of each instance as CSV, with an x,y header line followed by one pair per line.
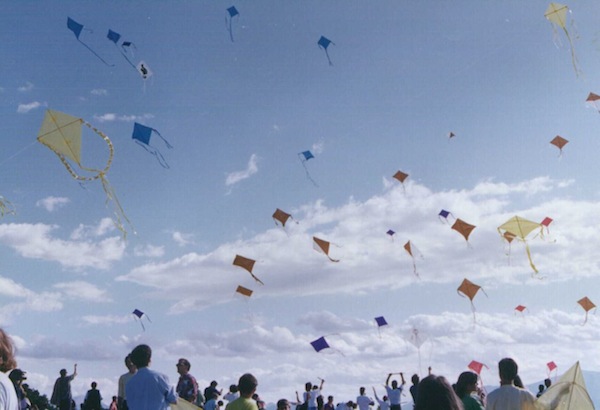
x,y
323,246
247,264
587,305
559,142
469,290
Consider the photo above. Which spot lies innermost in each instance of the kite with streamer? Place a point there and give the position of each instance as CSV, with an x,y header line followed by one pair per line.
x,y
468,289
139,315
477,367
380,321
401,176
125,49
141,134
417,339
323,246
414,254
592,100
231,13
551,366
557,14
321,344
247,264
443,216
77,28
587,305
463,228
281,217
508,237
324,43
62,134
568,393
520,309
244,291
559,142
304,157
391,233
6,207
451,135
521,228
546,223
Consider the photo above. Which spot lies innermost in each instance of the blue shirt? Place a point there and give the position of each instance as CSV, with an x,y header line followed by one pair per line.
x,y
149,390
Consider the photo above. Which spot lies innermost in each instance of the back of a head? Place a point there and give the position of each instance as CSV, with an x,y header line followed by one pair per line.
x,y
362,391
94,385
465,380
7,352
233,388
507,369
415,379
283,404
435,393
247,384
141,355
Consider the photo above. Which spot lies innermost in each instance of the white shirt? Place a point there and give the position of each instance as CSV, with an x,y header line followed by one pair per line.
x,y
364,402
509,397
8,395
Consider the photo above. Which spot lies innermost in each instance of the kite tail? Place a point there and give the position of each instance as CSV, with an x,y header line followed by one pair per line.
x,y
161,160
529,257
308,175
229,22
415,269
163,138
119,213
128,60
328,59
473,310
142,324
573,56
6,207
96,54
256,278
331,259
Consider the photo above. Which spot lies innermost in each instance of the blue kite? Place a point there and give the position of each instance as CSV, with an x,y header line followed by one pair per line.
x,y
139,315
141,135
305,156
125,45
323,43
232,11
77,28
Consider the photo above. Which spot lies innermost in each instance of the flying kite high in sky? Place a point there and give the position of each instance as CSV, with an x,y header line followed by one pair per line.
x,y
477,366
305,156
521,228
380,321
443,215
6,207
401,176
587,305
559,142
414,253
141,134
231,13
247,264
592,98
77,28
557,14
244,291
126,46
62,134
320,344
551,367
520,309
323,43
323,246
417,338
391,233
463,228
139,315
468,289
281,217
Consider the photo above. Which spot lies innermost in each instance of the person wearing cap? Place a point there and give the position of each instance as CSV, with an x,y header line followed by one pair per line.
x,y
61,394
147,389
123,379
17,376
187,387
8,395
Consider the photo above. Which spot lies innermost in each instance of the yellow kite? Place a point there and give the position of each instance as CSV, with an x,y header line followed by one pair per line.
x,y
6,207
568,393
62,134
557,14
520,228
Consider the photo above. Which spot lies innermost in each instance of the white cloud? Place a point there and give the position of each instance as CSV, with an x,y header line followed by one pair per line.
x,y
235,177
108,319
36,241
25,108
99,91
110,117
183,239
105,226
83,291
22,299
149,251
52,203
318,147
27,87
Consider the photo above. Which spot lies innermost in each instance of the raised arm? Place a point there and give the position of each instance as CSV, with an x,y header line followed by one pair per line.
x,y
402,377
387,381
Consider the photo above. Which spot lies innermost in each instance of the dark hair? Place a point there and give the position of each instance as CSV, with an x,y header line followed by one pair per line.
x,y
233,388
508,369
247,384
415,379
518,382
281,403
464,380
141,355
435,393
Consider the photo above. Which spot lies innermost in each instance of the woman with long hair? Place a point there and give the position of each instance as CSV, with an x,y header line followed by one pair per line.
x,y
466,386
435,393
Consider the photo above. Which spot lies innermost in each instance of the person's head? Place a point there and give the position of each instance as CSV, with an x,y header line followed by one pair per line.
x,y
17,376
94,385
114,398
63,372
141,356
308,386
7,352
330,399
394,384
283,404
541,388
247,385
128,363
233,388
466,383
415,379
435,393
213,383
362,391
507,369
547,383
385,398
183,366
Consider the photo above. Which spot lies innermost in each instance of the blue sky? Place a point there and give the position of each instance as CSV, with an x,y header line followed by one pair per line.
x,y
404,75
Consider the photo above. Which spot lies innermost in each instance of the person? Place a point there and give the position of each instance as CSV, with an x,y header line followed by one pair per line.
x,y
147,389
187,387
329,405
415,379
283,404
123,379
547,383
435,393
247,385
383,404
17,376
211,402
259,402
232,394
114,404
394,392
311,394
541,388
212,390
61,394
363,401
518,382
93,398
508,396
8,395
466,386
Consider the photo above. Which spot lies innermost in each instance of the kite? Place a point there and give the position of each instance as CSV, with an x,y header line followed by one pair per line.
x,y
323,43
320,344
546,222
380,320
62,134
587,305
551,366
391,233
183,405
247,264
244,291
6,207
305,156
509,238
592,98
568,393
559,142
520,228
139,315
417,339
556,13
469,290
144,70
401,176
281,217
125,46
451,135
232,12
445,214
520,309
141,135
414,253
77,28
477,367
323,246
463,228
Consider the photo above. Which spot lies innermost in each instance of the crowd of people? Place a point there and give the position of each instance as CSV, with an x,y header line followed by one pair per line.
x,y
142,388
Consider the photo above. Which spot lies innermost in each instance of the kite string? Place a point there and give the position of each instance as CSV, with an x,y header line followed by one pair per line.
x,y
17,153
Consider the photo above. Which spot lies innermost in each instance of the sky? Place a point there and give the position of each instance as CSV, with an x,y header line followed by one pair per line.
x,y
403,75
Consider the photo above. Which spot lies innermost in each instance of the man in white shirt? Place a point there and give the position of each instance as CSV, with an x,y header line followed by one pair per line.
x,y
508,396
